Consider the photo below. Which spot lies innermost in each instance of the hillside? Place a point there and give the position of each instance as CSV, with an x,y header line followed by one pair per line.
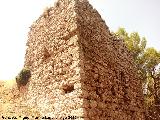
x,y
11,101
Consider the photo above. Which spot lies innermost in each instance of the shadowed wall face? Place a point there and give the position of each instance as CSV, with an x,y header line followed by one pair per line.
x,y
114,91
79,68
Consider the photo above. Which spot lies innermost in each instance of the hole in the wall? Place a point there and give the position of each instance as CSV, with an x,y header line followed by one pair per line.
x,y
88,98
92,71
132,111
63,72
97,92
113,91
122,77
67,88
106,102
46,54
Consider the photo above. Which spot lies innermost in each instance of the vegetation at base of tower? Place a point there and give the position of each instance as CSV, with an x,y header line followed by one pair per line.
x,y
147,61
23,77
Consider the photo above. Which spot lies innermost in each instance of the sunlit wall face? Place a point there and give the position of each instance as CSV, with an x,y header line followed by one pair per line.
x,y
16,17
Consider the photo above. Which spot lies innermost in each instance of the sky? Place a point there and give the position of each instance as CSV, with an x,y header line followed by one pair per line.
x,y
142,16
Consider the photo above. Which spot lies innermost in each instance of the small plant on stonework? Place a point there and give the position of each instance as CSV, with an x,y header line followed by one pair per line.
x,y
23,77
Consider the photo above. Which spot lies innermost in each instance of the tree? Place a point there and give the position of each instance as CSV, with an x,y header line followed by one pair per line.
x,y
147,60
137,47
152,66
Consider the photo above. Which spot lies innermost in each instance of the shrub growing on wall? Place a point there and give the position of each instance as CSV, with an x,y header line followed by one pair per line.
x,y
23,77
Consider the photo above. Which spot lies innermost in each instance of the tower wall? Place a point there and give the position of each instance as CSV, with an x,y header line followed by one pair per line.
x,y
79,68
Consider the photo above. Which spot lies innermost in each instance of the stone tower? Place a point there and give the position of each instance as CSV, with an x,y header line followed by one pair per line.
x,y
79,68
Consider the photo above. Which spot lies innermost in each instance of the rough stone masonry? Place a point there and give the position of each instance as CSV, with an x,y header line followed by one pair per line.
x,y
79,68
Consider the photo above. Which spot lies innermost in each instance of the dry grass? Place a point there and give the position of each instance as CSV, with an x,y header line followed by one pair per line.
x,y
11,101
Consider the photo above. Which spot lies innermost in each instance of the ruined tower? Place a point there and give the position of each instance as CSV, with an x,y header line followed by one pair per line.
x,y
79,68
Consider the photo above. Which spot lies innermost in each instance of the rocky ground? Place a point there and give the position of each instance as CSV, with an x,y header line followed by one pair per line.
x,y
11,104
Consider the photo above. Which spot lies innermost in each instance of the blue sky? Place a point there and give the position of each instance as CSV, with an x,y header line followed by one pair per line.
x,y
142,16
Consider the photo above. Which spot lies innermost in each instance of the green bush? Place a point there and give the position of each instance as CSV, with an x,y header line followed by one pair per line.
x,y
23,77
